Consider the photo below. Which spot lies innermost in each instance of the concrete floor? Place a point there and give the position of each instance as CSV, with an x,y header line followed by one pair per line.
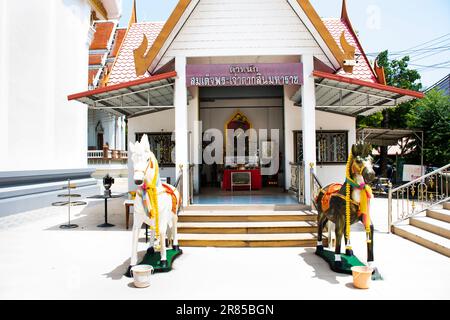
x,y
40,261
267,195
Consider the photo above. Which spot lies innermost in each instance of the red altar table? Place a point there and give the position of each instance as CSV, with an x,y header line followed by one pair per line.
x,y
255,175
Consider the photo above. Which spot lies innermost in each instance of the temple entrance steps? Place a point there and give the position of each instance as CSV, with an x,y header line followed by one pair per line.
x,y
248,226
431,230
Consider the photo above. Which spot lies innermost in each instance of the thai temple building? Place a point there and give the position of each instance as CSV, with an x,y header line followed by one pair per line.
x,y
106,130
296,80
43,136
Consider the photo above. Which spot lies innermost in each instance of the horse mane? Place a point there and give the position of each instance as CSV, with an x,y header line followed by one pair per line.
x,y
361,149
154,165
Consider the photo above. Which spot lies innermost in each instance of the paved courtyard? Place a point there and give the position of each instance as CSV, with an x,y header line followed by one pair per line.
x,y
41,261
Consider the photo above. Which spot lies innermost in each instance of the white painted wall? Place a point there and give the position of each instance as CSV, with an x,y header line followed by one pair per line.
x,y
44,57
330,121
243,28
324,121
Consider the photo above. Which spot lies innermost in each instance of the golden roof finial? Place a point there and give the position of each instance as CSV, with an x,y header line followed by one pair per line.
x,y
344,14
133,18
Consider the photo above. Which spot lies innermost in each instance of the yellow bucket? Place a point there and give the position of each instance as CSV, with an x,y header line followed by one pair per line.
x,y
362,277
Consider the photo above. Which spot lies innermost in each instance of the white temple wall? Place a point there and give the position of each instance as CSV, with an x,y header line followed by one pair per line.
x,y
40,66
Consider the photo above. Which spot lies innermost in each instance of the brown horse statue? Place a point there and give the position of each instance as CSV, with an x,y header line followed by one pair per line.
x,y
337,203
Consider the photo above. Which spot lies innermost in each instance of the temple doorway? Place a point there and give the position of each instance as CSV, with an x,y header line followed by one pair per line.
x,y
251,167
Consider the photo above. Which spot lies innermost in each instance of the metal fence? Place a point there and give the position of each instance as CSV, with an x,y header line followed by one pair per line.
x,y
298,181
418,195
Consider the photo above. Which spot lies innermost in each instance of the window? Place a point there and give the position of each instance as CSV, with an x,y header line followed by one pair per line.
x,y
161,145
331,146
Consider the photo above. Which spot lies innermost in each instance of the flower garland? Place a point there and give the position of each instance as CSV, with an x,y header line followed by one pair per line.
x,y
149,195
154,194
366,194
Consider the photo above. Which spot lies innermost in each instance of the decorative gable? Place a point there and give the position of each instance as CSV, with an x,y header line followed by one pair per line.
x,y
213,28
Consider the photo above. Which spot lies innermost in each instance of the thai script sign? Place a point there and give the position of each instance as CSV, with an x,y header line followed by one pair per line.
x,y
412,172
231,75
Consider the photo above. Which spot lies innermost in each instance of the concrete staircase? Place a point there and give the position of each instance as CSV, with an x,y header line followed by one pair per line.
x,y
431,230
248,226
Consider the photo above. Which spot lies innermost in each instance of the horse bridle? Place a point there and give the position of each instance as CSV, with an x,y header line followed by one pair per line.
x,y
359,168
149,165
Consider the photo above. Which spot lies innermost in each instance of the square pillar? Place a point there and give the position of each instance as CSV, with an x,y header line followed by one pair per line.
x,y
195,143
181,126
308,122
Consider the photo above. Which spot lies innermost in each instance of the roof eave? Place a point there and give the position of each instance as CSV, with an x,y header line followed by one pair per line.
x,y
119,86
404,92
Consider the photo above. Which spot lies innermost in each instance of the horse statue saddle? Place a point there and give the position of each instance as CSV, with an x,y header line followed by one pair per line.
x,y
170,190
328,192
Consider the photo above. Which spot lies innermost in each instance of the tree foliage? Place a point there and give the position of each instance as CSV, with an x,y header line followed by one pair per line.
x,y
432,115
398,75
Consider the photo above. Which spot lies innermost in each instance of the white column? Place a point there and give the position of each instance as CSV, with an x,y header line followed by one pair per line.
x,y
308,121
289,111
181,125
196,136
122,134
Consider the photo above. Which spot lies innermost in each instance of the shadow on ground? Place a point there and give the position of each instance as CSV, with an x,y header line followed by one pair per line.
x,y
119,272
321,268
93,214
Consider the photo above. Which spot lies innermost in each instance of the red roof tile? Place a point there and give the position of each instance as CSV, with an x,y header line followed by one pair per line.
x,y
95,59
102,35
120,35
362,70
124,69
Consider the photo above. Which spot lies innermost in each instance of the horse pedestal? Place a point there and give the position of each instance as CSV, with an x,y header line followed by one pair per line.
x,y
154,259
347,262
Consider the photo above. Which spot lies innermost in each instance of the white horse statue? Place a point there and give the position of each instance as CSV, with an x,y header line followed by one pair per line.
x,y
156,204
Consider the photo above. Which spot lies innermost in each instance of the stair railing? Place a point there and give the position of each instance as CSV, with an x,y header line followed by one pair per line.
x,y
184,183
316,186
179,185
191,183
298,181
418,195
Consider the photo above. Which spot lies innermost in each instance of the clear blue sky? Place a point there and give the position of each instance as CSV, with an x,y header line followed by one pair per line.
x,y
395,25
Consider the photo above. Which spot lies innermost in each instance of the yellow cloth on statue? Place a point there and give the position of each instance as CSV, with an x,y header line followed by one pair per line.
x,y
364,205
153,193
149,195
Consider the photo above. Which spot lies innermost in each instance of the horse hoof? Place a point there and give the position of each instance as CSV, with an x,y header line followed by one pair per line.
x,y
348,252
163,264
319,249
128,273
151,250
176,248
